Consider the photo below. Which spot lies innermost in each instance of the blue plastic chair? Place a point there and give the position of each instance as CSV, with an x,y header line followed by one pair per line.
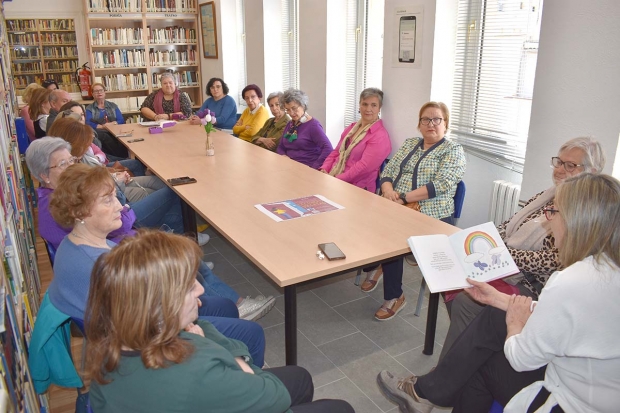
x,y
51,252
459,198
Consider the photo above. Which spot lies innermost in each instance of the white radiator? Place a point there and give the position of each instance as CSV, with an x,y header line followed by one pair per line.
x,y
504,201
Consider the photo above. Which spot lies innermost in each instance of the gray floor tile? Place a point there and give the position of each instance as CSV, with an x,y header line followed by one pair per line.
x,y
345,389
394,336
339,292
245,288
228,251
308,356
443,322
260,281
317,320
208,248
361,360
225,270
418,362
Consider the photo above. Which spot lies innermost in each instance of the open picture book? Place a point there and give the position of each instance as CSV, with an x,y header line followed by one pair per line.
x,y
477,252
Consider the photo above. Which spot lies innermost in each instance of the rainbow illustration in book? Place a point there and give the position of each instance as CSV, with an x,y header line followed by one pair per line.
x,y
482,252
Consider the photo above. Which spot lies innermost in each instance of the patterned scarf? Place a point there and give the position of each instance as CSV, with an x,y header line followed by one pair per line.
x,y
158,103
355,136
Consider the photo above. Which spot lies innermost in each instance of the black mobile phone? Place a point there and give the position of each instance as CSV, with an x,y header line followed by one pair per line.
x,y
181,180
135,140
406,39
331,251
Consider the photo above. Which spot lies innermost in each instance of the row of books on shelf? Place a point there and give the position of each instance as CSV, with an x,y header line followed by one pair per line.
x,y
34,67
25,53
135,6
21,24
127,104
119,58
54,38
60,52
171,34
26,39
61,65
124,81
115,36
172,57
44,24
183,78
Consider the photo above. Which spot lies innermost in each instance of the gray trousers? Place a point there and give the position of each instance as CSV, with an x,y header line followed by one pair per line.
x,y
462,312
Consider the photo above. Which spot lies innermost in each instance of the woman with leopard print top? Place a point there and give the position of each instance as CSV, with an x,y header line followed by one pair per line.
x,y
528,237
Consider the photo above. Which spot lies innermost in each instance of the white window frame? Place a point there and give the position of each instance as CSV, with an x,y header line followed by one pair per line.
x,y
492,91
290,44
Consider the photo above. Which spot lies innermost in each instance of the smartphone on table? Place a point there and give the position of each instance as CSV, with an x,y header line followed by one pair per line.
x,y
181,180
331,251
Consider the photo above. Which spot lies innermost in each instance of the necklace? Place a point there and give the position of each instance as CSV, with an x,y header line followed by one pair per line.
x,y
75,234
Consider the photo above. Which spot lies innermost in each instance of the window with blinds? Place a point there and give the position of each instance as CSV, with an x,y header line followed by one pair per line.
x,y
496,53
243,73
290,44
364,52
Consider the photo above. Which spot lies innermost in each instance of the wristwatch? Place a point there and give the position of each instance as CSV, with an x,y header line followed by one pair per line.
x,y
403,197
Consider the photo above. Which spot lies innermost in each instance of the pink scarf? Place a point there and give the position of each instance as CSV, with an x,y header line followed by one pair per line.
x,y
158,103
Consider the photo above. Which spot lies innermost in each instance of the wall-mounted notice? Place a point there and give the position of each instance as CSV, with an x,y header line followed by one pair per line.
x,y
407,37
208,23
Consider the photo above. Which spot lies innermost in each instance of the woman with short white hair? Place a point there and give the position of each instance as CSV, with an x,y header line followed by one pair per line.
x,y
167,102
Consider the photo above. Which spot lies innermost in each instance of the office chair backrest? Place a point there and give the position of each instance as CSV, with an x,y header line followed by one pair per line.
x,y
459,198
51,252
381,168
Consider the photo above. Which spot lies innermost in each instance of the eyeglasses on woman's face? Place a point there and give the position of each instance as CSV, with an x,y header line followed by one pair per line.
x,y
98,91
550,213
65,163
428,121
556,162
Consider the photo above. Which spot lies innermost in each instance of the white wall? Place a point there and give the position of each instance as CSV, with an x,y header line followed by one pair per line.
x,y
272,45
255,43
212,67
335,90
577,86
406,89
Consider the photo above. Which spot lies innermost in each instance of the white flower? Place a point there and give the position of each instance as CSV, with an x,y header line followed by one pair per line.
x,y
208,118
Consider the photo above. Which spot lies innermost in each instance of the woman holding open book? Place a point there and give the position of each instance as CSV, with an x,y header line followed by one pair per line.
x,y
554,355
422,175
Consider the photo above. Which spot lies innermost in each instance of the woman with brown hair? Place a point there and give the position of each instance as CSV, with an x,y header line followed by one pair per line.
x,y
39,110
153,202
23,112
146,352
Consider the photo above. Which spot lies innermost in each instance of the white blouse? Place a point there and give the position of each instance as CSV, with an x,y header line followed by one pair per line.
x,y
575,331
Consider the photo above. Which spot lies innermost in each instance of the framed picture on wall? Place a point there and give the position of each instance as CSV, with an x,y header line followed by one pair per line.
x,y
208,23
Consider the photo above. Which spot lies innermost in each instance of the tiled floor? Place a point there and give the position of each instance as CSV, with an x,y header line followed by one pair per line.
x,y
339,341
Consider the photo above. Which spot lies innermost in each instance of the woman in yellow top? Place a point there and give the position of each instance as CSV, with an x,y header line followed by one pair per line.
x,y
255,115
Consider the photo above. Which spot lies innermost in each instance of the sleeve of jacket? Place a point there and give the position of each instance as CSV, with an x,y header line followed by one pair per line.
x,y
228,117
450,172
378,147
89,119
119,116
255,122
392,169
237,129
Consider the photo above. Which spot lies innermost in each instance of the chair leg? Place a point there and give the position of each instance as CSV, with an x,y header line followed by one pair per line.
x,y
420,298
358,277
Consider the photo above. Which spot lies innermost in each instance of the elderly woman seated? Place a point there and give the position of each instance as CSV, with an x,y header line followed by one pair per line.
x,y
303,139
559,354
254,116
85,202
422,175
147,352
529,238
48,157
220,103
269,135
363,145
167,102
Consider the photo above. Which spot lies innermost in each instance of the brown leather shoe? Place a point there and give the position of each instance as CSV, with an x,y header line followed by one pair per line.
x,y
390,308
372,279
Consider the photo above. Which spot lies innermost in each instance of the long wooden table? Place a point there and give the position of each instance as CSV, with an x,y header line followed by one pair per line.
x,y
369,229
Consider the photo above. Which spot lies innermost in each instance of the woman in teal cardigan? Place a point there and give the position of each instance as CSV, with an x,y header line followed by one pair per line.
x,y
146,353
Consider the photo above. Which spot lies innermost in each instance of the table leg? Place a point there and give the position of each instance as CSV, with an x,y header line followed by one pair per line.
x,y
431,324
290,324
189,219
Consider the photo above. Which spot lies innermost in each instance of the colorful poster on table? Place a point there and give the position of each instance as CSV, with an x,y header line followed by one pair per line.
x,y
298,208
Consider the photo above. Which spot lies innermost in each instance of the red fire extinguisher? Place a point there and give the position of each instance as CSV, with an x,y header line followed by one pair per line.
x,y
82,76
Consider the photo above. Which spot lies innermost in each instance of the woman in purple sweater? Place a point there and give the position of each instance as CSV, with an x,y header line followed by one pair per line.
x,y
303,139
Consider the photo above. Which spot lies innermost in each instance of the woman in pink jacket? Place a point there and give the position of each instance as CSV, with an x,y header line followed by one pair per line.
x,y
363,145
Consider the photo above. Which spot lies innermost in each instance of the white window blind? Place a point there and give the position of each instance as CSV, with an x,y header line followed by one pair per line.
x,y
290,44
496,53
364,52
242,70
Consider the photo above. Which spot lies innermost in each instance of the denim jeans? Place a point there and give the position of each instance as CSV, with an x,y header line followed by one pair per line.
x,y
161,207
223,314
